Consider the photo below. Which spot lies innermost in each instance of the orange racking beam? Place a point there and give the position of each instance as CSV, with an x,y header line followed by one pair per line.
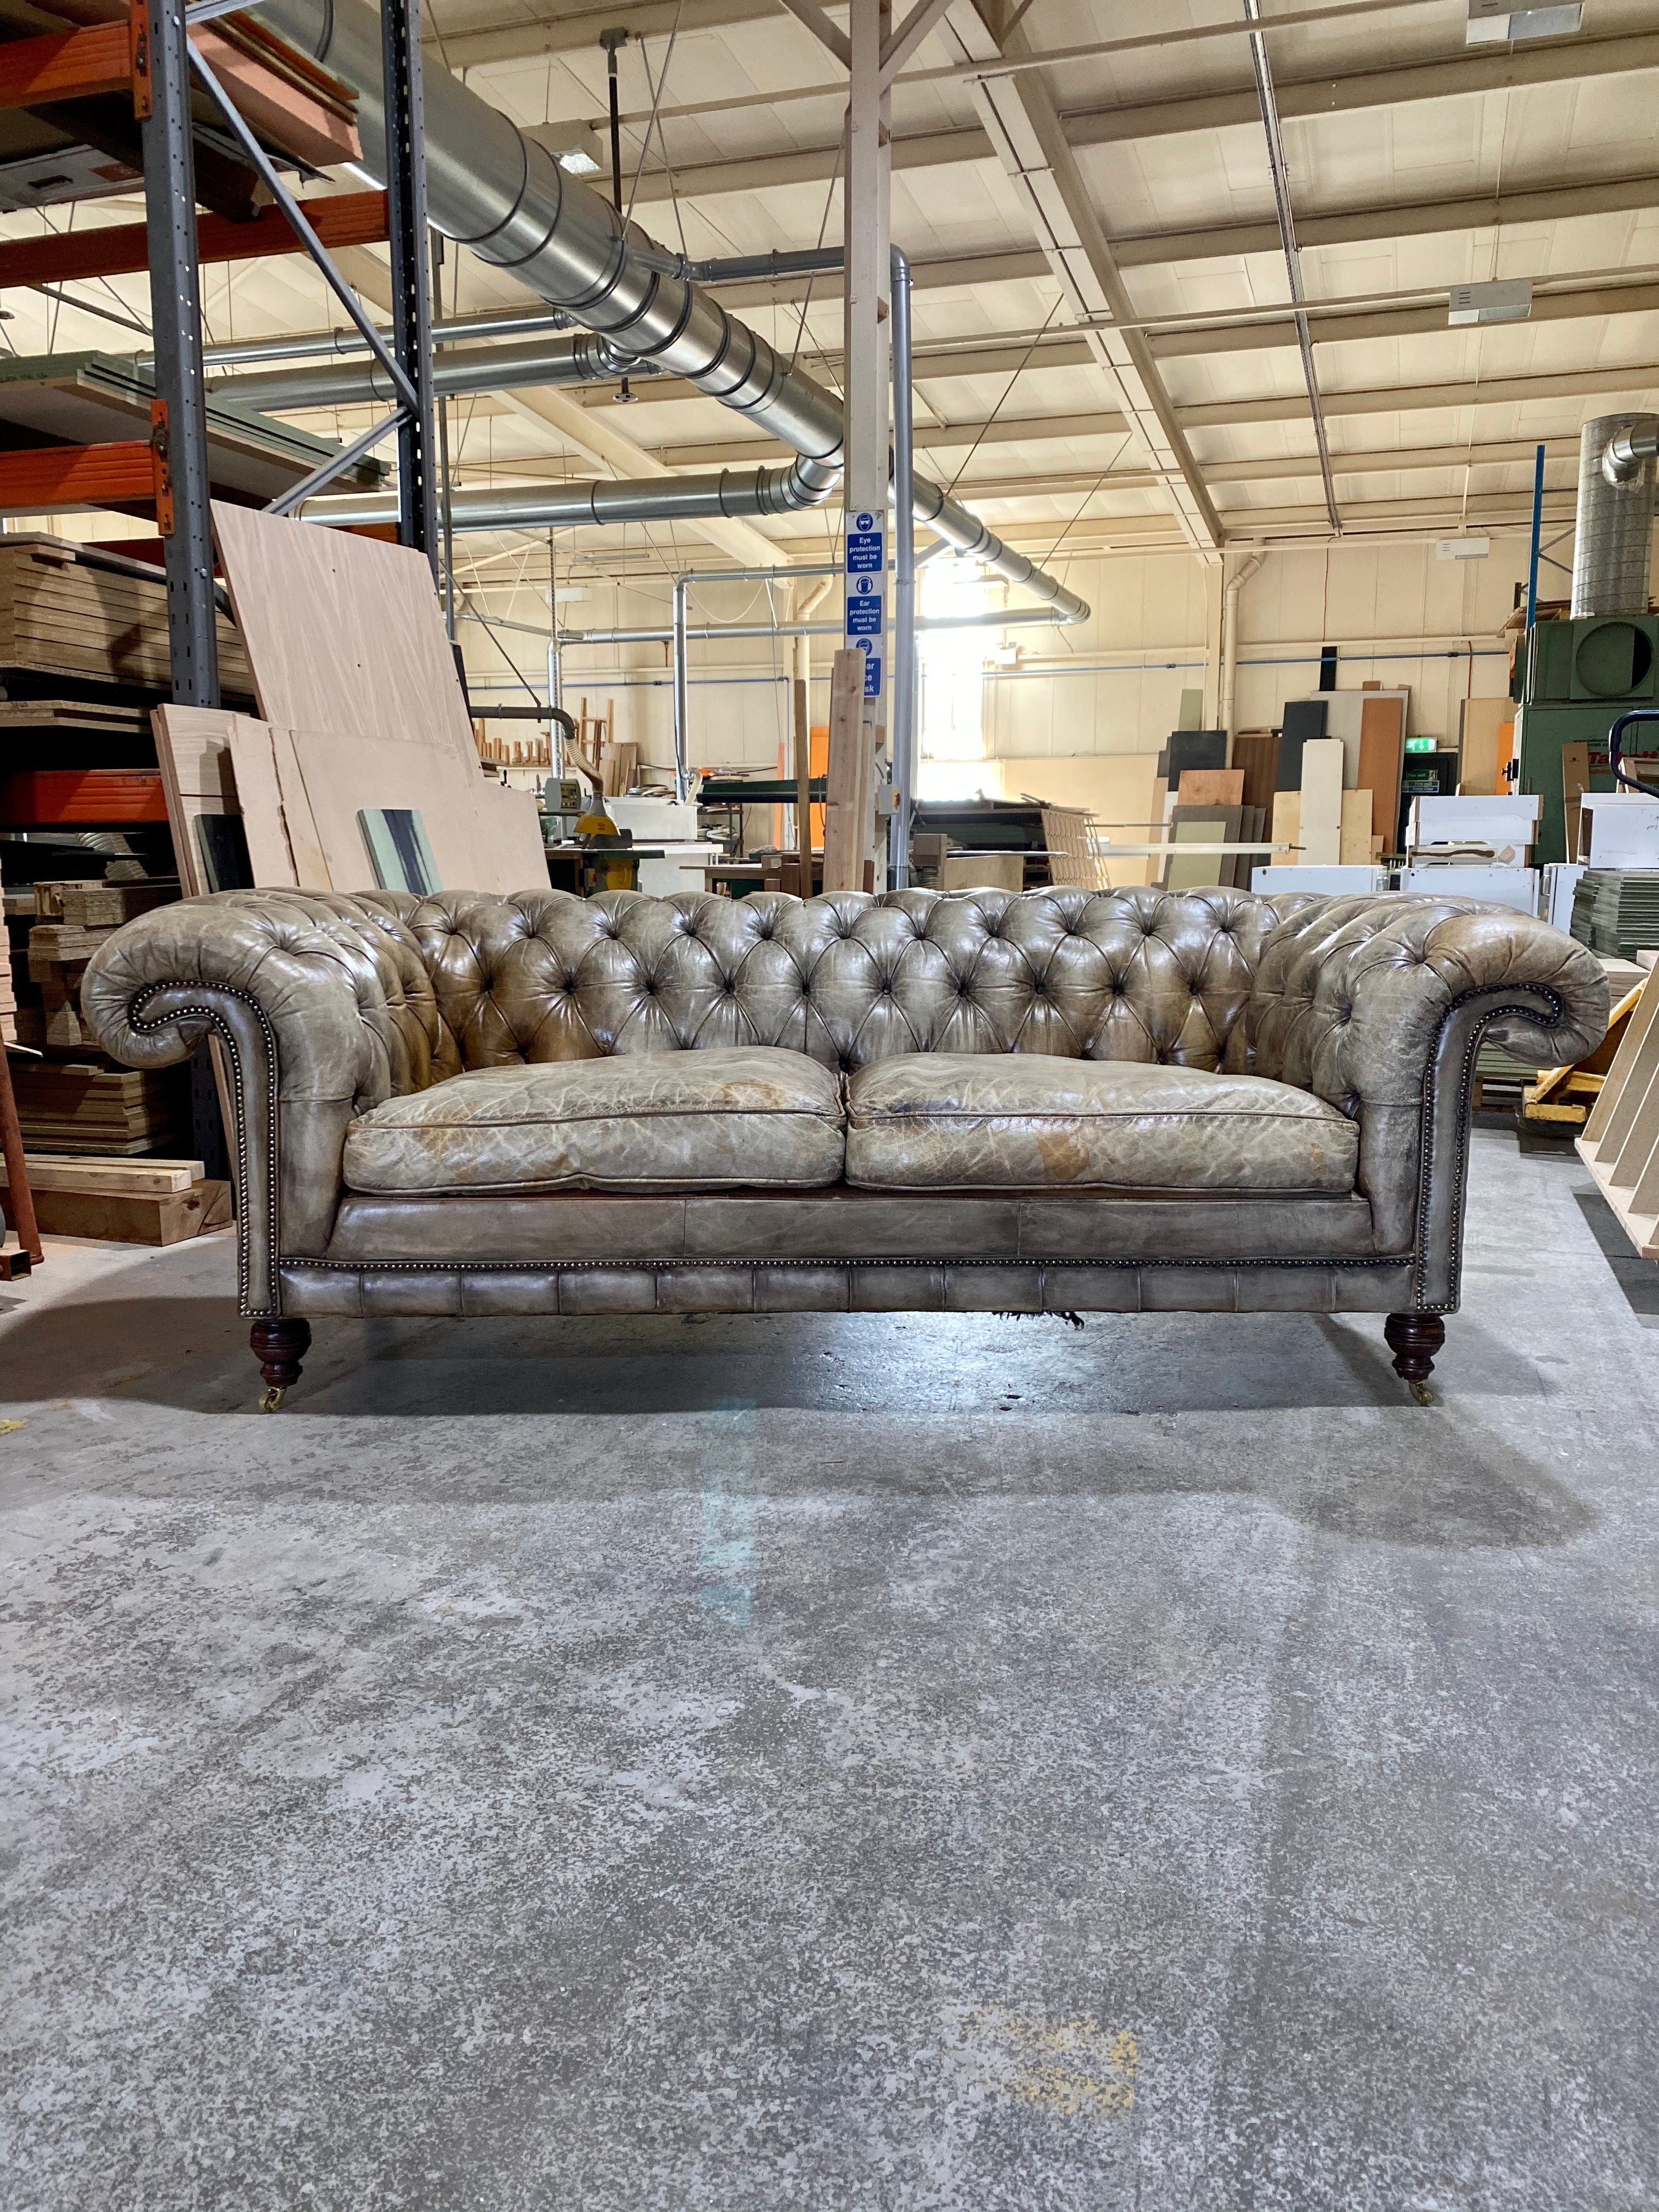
x,y
349,219
70,65
44,477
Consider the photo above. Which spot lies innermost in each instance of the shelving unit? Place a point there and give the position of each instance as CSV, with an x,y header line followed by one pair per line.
x,y
207,108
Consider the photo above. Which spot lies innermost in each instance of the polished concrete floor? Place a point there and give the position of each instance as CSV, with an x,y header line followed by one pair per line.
x,y
953,1764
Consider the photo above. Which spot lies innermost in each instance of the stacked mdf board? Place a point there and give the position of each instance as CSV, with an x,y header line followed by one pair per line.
x,y
70,613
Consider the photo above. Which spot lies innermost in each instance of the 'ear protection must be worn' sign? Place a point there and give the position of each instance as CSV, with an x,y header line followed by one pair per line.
x,y
866,565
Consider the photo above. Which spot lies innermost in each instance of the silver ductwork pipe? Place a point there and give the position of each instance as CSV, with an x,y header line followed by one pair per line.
x,y
492,189
1612,551
735,492
581,359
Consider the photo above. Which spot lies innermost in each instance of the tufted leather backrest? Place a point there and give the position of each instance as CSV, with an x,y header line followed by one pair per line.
x,y
1133,974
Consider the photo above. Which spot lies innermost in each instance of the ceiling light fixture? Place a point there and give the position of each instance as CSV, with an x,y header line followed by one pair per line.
x,y
574,146
1496,20
1507,300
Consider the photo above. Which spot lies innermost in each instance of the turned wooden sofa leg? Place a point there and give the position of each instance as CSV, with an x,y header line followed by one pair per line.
x,y
1414,1340
279,1345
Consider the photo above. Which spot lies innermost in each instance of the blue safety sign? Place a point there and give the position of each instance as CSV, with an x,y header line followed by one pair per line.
x,y
866,551
864,618
872,677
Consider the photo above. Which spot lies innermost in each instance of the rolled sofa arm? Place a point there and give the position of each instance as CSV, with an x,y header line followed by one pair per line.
x,y
1379,1005
325,1009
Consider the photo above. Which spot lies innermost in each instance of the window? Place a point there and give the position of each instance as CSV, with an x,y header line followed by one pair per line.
x,y
952,762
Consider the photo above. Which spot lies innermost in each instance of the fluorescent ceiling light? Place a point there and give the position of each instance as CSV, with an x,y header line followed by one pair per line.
x,y
1495,20
1508,300
1461,548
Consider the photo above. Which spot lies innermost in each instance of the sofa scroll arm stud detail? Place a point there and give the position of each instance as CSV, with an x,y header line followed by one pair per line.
x,y
1414,1338
279,1344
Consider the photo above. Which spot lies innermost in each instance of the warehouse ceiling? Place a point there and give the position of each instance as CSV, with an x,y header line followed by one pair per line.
x,y
1413,161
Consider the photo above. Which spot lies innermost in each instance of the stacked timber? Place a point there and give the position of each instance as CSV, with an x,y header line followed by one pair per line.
x,y
126,1202
67,611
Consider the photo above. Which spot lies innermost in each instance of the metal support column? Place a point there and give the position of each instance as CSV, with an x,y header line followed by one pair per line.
x,y
178,415
411,293
903,723
865,377
161,93
1537,534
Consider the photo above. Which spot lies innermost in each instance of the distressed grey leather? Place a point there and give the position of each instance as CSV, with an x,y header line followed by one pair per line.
x,y
314,1287
544,1229
675,1121
1021,1121
329,1007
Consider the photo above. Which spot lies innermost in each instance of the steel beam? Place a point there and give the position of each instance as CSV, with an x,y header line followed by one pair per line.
x,y
179,413
1020,116
412,275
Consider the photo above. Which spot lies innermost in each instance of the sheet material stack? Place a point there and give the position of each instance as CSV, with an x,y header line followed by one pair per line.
x,y
1615,911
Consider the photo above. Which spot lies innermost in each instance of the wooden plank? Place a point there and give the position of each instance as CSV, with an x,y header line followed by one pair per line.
x,y
66,65
844,831
343,633
116,1218
192,747
510,853
1256,752
801,726
305,846
259,801
1381,755
122,1178
1322,802
1211,786
1287,828
345,777
1635,1065
1356,830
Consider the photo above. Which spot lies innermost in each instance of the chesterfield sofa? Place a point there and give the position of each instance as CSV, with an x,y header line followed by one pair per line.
x,y
1069,1101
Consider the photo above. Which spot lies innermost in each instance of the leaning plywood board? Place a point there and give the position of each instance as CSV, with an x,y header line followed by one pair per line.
x,y
269,850
1356,831
346,777
192,747
1322,802
343,633
510,848
1381,757
1287,829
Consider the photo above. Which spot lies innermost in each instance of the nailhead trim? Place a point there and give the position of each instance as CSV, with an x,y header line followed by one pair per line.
x,y
793,1260
223,1029
1460,1132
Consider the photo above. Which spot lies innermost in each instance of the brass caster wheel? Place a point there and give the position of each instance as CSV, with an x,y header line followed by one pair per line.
x,y
272,1400
1421,1391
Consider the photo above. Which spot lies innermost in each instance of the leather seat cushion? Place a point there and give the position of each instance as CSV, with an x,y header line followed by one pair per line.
x,y
1025,1120
674,1120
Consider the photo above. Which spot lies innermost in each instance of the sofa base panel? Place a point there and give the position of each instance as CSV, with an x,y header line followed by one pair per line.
x,y
316,1288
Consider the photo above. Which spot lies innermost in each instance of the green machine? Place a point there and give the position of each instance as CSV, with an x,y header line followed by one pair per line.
x,y
1573,679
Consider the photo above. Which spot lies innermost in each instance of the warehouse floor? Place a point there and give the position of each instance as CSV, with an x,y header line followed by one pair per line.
x,y
852,1763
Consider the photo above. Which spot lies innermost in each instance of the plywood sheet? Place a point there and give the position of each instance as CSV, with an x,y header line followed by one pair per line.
x,y
259,800
343,633
192,748
1356,831
310,861
1322,760
1287,829
1212,786
344,775
510,851
1382,752
1256,752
